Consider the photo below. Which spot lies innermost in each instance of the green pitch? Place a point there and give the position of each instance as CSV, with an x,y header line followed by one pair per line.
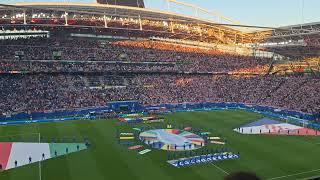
x,y
270,157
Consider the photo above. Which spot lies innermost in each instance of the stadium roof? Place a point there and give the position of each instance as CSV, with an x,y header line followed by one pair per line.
x,y
111,10
314,24
295,40
285,40
228,32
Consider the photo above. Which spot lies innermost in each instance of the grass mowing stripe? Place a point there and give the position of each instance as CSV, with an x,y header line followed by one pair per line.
x,y
154,164
113,156
268,156
205,171
95,169
77,161
179,173
255,141
311,178
291,175
220,168
59,164
143,167
207,120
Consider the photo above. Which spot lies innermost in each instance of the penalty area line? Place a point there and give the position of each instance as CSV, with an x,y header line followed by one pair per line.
x,y
290,175
12,135
220,169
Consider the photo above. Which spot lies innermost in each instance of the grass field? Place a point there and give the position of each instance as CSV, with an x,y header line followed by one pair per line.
x,y
271,157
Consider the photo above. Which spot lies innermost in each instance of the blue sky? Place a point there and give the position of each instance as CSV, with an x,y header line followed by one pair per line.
x,y
252,12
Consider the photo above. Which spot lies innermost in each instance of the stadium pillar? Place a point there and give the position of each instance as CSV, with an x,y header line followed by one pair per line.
x,y
105,21
200,32
140,23
66,18
171,26
24,17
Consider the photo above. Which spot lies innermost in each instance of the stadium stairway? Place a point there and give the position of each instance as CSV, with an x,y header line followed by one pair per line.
x,y
270,68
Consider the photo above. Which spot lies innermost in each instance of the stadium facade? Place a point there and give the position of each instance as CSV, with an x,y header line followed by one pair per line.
x,y
130,21
130,18
115,59
98,39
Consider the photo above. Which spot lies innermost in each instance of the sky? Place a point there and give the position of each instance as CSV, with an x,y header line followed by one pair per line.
x,y
271,13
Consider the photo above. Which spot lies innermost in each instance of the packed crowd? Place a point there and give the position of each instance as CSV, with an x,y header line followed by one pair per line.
x,y
85,67
49,92
79,77
186,58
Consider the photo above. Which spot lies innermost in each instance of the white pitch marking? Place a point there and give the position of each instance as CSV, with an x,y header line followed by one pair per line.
x,y
315,170
12,135
220,169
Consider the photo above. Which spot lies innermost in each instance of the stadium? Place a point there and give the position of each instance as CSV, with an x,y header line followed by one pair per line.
x,y
114,89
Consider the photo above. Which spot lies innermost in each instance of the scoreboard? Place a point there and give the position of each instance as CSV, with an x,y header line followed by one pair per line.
x,y
132,3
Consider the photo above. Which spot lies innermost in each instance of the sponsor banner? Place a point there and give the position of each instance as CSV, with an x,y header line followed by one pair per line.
x,y
208,158
126,138
187,128
214,138
126,134
154,120
130,120
131,115
139,120
129,143
137,129
217,142
144,151
135,147
148,118
205,133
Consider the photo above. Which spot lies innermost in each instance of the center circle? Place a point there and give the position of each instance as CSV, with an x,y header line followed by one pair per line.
x,y
172,139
